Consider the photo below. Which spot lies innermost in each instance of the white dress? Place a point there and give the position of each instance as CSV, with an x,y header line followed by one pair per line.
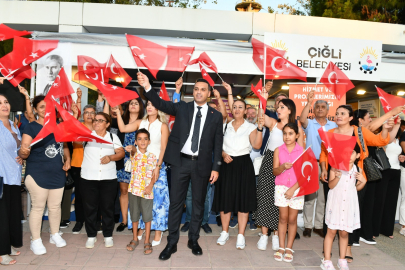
x,y
342,209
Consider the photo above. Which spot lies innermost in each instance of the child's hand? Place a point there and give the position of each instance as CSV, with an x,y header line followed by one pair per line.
x,y
360,177
148,189
289,193
287,165
155,174
130,148
338,173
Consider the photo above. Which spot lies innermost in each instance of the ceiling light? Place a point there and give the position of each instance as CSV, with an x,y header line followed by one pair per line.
x,y
238,97
361,92
118,79
276,76
401,93
285,87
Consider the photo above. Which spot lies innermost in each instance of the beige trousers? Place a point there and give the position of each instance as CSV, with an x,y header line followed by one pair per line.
x,y
39,198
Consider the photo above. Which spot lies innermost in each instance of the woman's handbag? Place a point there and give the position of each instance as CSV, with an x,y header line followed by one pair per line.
x,y
70,182
382,159
370,165
128,165
257,162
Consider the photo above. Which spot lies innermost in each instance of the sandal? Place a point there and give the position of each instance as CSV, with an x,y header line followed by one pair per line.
x,y
7,260
14,252
279,254
146,247
287,256
349,258
132,245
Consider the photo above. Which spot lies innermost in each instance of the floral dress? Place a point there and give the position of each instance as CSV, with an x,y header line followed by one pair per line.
x,y
122,175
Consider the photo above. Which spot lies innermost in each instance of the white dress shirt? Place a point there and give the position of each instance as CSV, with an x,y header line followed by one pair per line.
x,y
237,143
92,169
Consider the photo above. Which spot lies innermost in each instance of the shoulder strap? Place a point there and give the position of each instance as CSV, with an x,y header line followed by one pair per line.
x,y
268,140
226,127
361,139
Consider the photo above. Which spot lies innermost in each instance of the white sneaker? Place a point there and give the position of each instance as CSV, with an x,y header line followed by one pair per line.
x,y
90,242
262,244
275,244
37,247
57,240
240,242
402,231
108,241
223,238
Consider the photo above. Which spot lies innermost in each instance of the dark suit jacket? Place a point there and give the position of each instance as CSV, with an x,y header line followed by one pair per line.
x,y
210,148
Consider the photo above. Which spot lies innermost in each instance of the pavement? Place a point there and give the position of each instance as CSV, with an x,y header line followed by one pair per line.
x,y
388,254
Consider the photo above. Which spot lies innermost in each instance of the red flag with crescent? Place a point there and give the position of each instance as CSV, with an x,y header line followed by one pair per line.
x,y
388,101
17,77
9,33
89,69
151,54
206,76
336,80
113,70
258,90
61,90
163,92
339,147
258,53
277,67
115,95
49,123
205,61
306,171
178,57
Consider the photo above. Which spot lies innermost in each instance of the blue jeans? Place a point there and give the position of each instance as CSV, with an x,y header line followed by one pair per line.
x,y
207,204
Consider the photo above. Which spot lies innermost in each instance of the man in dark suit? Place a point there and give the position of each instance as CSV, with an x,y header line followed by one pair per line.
x,y
194,151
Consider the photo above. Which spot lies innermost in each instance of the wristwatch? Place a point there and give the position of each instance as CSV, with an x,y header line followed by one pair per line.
x,y
260,130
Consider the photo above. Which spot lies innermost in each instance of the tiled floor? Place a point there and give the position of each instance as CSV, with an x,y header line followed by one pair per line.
x,y
308,253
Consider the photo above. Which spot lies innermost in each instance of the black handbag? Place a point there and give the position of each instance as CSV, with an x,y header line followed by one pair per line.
x,y
70,182
370,165
382,159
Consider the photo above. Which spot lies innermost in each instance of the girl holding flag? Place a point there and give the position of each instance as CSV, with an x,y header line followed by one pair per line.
x,y
287,188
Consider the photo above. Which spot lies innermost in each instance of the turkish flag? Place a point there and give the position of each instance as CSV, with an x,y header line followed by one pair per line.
x,y
115,95
17,77
8,33
178,57
340,148
49,122
277,67
25,51
61,89
171,122
206,61
388,101
258,90
163,92
206,76
336,81
71,130
258,53
306,171
89,69
151,54
114,70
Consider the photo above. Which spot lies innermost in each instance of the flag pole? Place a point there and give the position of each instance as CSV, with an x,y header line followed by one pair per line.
x,y
264,65
301,154
183,72
220,78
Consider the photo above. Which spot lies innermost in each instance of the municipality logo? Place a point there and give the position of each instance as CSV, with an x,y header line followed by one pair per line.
x,y
368,61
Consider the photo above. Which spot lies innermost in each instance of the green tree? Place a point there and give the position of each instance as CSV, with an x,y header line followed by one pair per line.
x,y
159,3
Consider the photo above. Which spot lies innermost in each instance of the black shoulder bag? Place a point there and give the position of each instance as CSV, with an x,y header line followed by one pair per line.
x,y
370,165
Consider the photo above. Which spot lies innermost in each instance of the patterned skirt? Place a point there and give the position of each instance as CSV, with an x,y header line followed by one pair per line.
x,y
267,213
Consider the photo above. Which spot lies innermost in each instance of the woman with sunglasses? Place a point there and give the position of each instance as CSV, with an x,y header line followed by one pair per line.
x,y
99,185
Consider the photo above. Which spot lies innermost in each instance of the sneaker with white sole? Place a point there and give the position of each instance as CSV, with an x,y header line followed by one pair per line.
x,y
37,247
275,244
223,238
240,242
327,265
342,264
402,231
368,241
108,242
90,242
263,241
57,240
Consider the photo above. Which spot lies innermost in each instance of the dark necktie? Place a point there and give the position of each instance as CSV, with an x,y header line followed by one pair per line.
x,y
196,132
46,90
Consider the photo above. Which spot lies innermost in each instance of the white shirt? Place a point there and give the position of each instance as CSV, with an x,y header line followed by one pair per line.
x,y
237,143
187,146
155,131
92,169
392,151
276,139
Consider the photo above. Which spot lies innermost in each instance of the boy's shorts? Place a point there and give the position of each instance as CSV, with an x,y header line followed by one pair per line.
x,y
138,205
280,200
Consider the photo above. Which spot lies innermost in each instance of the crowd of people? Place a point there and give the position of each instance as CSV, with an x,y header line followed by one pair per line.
x,y
237,165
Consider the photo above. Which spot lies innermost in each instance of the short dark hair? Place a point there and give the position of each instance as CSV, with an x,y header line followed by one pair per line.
x,y
37,100
291,106
240,100
347,107
142,131
106,117
204,81
358,114
293,126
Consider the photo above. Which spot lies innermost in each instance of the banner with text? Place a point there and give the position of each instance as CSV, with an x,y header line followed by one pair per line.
x,y
359,59
299,92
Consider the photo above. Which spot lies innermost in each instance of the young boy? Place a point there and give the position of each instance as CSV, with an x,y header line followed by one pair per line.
x,y
140,190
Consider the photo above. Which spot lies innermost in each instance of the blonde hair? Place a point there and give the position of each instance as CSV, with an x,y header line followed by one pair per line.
x,y
161,116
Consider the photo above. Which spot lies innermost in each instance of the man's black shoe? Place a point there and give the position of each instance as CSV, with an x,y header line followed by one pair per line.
x,y
195,247
297,236
78,227
219,222
167,252
206,228
185,227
